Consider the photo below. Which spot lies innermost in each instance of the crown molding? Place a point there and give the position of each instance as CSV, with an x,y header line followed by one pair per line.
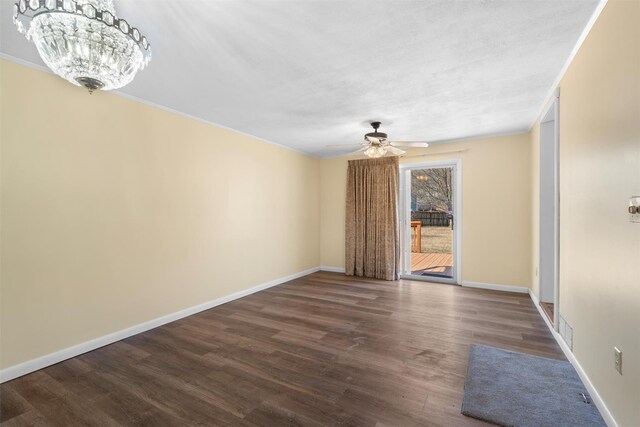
x,y
553,91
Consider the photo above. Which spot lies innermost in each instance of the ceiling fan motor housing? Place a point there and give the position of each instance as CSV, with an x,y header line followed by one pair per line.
x,y
375,137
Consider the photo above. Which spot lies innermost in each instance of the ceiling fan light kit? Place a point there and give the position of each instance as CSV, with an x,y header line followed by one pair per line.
x,y
83,41
375,151
376,144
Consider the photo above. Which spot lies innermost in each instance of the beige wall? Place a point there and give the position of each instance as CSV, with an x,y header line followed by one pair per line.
x,y
496,182
333,193
114,213
599,171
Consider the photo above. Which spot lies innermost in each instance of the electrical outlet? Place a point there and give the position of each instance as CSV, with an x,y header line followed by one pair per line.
x,y
618,359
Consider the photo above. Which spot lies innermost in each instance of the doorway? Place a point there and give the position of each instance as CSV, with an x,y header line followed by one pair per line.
x,y
430,202
549,213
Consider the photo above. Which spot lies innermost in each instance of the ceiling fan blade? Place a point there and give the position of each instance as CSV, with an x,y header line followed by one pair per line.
x,y
358,151
394,150
413,144
344,145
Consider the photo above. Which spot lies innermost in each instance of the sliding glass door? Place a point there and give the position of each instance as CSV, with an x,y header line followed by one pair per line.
x,y
430,221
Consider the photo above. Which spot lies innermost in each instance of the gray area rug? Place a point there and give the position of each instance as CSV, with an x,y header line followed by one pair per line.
x,y
515,389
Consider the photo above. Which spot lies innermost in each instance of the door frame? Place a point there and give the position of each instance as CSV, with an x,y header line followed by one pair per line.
x,y
553,104
405,219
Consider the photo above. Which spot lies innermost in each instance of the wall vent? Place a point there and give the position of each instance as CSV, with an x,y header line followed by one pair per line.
x,y
566,332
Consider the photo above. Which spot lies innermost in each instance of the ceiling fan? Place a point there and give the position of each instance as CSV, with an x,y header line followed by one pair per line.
x,y
375,144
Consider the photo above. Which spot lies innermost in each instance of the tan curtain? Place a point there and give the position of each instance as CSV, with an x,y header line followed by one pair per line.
x,y
372,240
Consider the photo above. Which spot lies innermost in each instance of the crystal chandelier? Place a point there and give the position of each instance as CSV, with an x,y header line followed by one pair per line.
x,y
83,41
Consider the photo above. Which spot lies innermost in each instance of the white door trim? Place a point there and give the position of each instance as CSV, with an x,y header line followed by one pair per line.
x,y
405,219
554,103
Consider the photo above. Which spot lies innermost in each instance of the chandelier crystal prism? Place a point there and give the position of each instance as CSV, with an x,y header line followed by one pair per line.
x,y
83,41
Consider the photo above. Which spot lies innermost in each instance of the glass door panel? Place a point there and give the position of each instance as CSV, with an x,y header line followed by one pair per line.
x,y
432,222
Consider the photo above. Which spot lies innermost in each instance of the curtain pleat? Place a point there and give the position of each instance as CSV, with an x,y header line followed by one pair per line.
x,y
372,233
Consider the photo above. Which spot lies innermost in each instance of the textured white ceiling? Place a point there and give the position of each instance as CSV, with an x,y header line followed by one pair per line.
x,y
309,73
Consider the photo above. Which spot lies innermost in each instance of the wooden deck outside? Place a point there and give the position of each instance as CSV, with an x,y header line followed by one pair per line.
x,y
428,263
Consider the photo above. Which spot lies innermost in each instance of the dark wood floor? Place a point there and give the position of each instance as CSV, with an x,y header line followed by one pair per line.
x,y
320,350
547,308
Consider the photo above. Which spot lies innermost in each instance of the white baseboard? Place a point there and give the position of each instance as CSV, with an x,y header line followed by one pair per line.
x,y
595,396
32,365
332,269
493,287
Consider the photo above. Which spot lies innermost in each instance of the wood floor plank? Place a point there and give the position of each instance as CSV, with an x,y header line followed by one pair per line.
x,y
27,419
12,404
324,349
56,404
